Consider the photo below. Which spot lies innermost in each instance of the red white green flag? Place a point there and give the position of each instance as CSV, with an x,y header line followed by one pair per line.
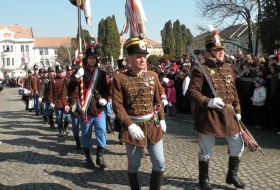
x,y
86,7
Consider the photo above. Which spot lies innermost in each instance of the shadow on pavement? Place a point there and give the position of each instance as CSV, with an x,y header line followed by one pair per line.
x,y
61,149
86,179
30,157
28,186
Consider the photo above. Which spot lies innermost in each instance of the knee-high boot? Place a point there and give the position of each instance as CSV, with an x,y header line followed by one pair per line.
x,y
51,121
134,181
203,175
65,127
78,143
99,157
233,165
156,180
89,161
60,130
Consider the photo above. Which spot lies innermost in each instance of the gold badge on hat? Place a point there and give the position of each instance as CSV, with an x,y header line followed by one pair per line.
x,y
142,45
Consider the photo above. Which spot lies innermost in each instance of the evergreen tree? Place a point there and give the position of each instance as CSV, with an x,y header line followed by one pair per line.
x,y
101,38
177,33
270,25
168,39
108,39
186,37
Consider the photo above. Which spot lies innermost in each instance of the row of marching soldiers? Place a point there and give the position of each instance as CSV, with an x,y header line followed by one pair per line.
x,y
138,100
56,92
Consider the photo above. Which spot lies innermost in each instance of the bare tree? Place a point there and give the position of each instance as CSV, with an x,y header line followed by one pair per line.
x,y
221,10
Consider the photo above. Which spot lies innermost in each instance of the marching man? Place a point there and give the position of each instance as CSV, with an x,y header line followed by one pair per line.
x,y
96,94
137,104
214,116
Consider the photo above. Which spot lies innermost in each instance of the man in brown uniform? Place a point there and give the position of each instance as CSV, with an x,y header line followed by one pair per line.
x,y
214,116
137,105
70,96
35,89
55,98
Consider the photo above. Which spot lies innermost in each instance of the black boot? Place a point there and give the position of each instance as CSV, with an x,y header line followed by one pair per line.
x,y
99,157
156,180
51,121
45,118
78,143
89,161
134,181
60,129
203,176
233,165
66,127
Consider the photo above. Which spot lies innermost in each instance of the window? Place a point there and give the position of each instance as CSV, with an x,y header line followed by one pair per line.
x,y
27,48
12,48
7,48
8,61
41,51
46,52
55,52
22,48
22,61
3,48
3,61
13,62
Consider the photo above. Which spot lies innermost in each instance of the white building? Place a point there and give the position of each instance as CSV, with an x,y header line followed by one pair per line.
x,y
19,49
45,49
16,47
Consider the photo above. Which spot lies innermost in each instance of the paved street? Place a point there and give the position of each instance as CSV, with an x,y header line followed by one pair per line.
x,y
33,157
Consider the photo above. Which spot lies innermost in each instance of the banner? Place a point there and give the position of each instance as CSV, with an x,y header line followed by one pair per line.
x,y
86,7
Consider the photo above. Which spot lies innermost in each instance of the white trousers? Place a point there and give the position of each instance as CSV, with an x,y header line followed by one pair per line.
x,y
206,142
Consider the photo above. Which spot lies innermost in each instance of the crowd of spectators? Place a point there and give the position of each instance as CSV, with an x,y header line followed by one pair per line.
x,y
257,81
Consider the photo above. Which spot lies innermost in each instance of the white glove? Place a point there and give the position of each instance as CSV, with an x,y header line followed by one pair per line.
x,y
164,101
136,132
80,73
163,125
169,104
102,102
52,105
238,116
165,80
216,103
74,107
40,99
67,108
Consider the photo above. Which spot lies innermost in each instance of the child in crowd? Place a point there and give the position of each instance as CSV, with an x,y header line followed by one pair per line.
x,y
258,100
170,92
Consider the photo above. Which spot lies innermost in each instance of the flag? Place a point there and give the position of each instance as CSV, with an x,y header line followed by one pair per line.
x,y
86,7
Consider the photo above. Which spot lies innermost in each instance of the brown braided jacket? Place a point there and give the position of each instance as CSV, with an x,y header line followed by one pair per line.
x,y
125,88
213,121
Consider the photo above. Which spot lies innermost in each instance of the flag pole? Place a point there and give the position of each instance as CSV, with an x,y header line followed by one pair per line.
x,y
79,3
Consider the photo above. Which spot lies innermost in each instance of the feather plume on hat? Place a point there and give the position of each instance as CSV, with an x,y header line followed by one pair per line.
x,y
135,17
213,40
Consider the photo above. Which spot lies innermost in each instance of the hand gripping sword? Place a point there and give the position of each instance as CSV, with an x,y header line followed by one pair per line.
x,y
245,133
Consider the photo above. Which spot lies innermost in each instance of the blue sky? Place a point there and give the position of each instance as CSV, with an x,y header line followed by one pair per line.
x,y
49,18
